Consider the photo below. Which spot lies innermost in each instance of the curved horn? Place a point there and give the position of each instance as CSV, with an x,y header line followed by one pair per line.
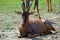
x,y
23,5
29,7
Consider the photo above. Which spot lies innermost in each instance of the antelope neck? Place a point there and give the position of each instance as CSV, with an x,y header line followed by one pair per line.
x,y
25,18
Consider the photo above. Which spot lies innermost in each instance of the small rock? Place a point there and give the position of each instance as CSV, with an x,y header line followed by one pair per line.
x,y
0,36
49,37
54,37
3,31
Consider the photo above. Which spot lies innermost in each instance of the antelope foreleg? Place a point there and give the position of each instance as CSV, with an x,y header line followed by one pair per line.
x,y
19,35
38,13
48,5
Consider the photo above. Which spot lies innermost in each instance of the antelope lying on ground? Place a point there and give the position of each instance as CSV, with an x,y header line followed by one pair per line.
x,y
32,28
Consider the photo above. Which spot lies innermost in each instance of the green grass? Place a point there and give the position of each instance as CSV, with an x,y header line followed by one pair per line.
x,y
16,4
10,1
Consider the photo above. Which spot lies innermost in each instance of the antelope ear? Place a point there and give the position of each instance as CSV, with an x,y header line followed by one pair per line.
x,y
18,12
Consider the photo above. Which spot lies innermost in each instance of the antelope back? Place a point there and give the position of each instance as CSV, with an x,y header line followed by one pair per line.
x,y
37,26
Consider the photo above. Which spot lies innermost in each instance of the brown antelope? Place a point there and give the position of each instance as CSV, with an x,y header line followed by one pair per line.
x,y
32,28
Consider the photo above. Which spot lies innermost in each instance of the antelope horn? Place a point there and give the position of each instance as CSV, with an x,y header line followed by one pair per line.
x,y
23,6
29,7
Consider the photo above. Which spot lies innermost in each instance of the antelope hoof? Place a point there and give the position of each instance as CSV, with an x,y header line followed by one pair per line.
x,y
53,32
19,36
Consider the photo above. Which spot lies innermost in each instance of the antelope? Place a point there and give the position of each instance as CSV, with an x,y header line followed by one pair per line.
x,y
33,28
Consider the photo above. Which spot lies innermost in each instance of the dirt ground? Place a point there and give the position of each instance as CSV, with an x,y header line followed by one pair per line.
x,y
54,18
